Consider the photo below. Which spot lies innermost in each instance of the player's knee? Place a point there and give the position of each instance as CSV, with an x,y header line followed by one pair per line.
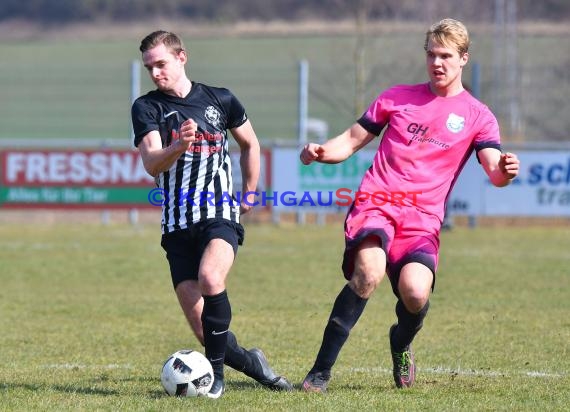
x,y
369,270
414,288
364,283
211,283
414,300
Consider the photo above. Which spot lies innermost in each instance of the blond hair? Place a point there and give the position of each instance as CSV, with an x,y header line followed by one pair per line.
x,y
449,33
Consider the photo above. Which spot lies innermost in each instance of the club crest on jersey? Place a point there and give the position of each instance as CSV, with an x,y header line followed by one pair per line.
x,y
455,123
212,115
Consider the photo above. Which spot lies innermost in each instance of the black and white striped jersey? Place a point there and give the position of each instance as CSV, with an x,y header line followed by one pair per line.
x,y
198,186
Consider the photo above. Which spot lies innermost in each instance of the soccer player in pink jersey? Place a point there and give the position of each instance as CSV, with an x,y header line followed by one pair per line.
x,y
393,225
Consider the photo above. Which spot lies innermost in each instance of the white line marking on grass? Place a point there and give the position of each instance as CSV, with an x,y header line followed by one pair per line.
x,y
83,366
468,372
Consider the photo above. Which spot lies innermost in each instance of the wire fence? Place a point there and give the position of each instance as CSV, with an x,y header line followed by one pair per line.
x,y
81,90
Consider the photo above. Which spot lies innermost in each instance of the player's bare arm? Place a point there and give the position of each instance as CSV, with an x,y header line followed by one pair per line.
x,y
249,162
339,148
501,168
157,159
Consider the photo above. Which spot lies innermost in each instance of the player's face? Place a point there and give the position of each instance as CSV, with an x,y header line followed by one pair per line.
x,y
444,67
165,68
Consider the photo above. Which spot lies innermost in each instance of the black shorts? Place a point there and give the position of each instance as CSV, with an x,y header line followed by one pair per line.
x,y
184,248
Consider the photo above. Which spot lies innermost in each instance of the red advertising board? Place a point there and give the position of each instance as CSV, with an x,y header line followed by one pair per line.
x,y
85,179
73,179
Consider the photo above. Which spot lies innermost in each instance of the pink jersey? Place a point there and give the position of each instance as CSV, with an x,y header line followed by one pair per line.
x,y
427,141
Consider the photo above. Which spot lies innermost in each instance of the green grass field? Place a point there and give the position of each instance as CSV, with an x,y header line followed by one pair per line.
x,y
87,316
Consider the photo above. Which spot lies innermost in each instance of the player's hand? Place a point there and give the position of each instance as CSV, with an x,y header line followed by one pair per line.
x,y
247,202
187,134
509,165
311,152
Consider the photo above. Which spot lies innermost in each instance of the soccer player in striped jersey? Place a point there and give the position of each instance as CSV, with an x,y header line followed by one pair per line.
x,y
430,130
181,133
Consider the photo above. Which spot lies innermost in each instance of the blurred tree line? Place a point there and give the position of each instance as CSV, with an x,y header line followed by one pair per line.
x,y
49,12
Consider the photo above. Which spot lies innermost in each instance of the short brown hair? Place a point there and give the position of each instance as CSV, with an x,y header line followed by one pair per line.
x,y
450,33
170,40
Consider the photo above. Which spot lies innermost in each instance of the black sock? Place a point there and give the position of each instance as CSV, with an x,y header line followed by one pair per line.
x,y
346,311
409,324
216,318
240,359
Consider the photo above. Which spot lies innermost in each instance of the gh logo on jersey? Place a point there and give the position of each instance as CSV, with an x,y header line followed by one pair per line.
x,y
416,129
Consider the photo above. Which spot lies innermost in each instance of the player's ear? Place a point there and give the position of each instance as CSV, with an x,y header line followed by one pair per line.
x,y
464,59
182,56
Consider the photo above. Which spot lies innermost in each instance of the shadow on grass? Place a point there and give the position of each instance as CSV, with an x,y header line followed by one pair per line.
x,y
250,384
243,385
82,390
232,385
35,387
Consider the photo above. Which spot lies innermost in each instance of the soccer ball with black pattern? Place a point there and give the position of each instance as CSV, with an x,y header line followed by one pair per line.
x,y
187,373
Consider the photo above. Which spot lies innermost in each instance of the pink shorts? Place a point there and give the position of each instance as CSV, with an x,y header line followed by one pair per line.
x,y
406,234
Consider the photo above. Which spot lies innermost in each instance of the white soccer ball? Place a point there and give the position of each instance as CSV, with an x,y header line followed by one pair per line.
x,y
187,373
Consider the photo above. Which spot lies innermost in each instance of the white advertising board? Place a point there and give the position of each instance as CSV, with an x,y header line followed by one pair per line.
x,y
542,188
318,185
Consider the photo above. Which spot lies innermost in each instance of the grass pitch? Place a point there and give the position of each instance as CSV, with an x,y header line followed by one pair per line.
x,y
88,316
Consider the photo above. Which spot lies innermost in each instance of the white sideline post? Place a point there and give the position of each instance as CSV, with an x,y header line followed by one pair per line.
x,y
321,129
135,93
303,116
135,89
476,89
